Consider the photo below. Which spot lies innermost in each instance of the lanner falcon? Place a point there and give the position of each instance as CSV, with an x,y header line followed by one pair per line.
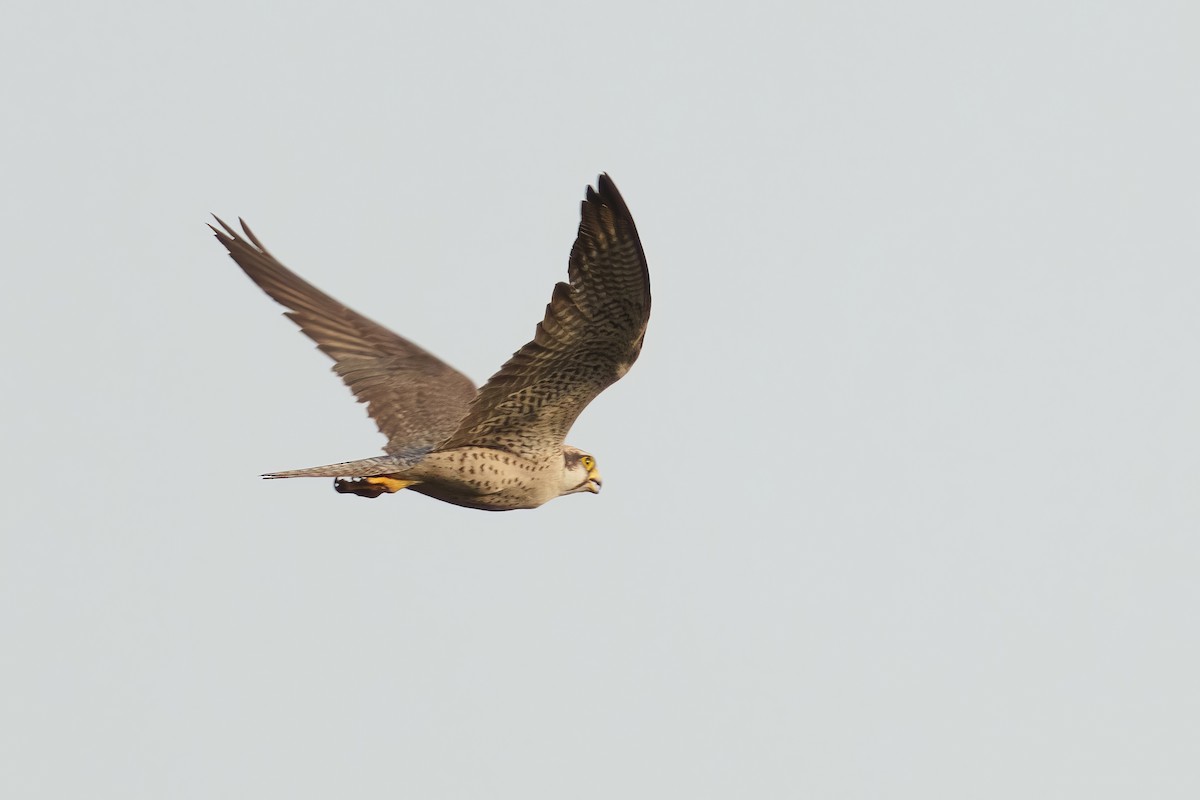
x,y
501,447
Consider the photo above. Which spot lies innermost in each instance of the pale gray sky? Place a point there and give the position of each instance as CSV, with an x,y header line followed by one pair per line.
x,y
900,500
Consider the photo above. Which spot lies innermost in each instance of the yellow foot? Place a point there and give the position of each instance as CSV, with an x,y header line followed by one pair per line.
x,y
371,487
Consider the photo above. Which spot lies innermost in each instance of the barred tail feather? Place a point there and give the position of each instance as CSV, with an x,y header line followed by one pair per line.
x,y
363,468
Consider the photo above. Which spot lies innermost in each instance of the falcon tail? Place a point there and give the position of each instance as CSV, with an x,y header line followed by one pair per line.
x,y
363,468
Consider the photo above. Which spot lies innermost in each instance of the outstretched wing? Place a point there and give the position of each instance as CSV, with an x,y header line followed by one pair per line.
x,y
416,399
591,335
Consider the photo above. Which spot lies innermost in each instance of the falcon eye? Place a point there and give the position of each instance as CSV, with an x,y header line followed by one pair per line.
x,y
588,462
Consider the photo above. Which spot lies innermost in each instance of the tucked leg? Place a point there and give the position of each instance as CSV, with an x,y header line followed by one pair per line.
x,y
371,487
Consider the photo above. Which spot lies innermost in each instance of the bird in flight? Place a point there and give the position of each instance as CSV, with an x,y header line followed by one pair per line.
x,y
500,447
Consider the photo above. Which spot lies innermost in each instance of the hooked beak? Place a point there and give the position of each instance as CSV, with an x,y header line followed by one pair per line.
x,y
594,483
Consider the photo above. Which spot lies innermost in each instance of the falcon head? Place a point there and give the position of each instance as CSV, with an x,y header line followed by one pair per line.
x,y
579,472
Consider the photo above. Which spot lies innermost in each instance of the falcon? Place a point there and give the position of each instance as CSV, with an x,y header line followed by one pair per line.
x,y
500,447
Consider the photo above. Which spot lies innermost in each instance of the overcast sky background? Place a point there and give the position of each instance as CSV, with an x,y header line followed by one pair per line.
x,y
900,500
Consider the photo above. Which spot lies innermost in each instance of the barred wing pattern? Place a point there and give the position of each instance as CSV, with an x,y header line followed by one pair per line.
x,y
591,335
416,399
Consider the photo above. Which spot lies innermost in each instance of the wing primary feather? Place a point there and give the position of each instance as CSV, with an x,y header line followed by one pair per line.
x,y
591,333
394,377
